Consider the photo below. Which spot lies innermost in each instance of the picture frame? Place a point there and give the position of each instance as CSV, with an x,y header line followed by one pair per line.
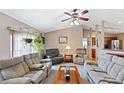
x,y
63,39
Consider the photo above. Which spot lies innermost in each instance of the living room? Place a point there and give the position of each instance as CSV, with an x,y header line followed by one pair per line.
x,y
74,49
92,50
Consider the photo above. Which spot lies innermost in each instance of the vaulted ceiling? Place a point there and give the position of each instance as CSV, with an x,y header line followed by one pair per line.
x,y
47,20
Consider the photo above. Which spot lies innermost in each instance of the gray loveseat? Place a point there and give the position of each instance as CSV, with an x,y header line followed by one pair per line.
x,y
54,55
24,70
108,70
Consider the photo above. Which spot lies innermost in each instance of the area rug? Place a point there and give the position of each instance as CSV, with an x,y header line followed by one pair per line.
x,y
53,72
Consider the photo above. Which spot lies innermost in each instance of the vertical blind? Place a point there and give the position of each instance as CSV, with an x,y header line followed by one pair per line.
x,y
18,46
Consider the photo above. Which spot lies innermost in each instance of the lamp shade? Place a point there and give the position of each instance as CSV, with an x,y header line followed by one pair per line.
x,y
68,47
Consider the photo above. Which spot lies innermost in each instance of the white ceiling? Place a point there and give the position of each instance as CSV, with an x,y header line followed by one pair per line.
x,y
47,20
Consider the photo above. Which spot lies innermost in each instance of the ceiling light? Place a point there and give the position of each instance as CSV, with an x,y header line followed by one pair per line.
x,y
120,22
72,23
76,22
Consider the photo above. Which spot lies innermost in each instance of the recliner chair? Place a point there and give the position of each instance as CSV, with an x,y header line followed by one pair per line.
x,y
54,55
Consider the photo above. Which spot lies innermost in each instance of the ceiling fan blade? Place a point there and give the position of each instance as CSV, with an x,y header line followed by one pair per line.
x,y
67,13
65,19
84,12
83,18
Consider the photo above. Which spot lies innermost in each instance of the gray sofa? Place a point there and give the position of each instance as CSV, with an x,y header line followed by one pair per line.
x,y
24,70
54,55
35,63
108,70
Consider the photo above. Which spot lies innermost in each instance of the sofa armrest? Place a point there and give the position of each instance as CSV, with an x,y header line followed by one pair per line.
x,y
45,60
35,67
60,55
98,70
21,80
91,63
110,81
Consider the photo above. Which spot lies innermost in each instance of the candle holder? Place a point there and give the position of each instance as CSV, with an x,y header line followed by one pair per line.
x,y
67,74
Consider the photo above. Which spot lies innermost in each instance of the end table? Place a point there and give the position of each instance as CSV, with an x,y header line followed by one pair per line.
x,y
68,58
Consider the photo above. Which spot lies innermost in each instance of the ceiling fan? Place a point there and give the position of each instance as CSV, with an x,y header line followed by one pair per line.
x,y
75,16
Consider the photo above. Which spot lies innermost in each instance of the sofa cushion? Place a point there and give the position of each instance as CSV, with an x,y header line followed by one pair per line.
x,y
110,65
105,75
38,60
56,60
104,82
36,76
36,66
52,52
110,80
99,76
13,72
35,60
118,60
120,76
10,62
95,77
25,66
103,64
116,68
27,59
1,77
30,74
89,68
21,80
105,56
29,62
114,59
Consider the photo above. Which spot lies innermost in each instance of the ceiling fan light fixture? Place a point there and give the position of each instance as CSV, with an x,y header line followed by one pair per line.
x,y
72,23
76,22
76,17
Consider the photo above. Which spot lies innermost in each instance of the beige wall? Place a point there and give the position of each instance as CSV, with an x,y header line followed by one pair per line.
x,y
4,34
110,35
87,33
74,39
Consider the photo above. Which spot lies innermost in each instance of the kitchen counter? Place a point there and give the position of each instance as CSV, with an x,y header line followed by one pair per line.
x,y
114,52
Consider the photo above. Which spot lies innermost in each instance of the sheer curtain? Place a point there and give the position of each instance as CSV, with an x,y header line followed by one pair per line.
x,y
18,46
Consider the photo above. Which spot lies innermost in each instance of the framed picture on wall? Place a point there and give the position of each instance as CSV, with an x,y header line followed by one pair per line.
x,y
63,39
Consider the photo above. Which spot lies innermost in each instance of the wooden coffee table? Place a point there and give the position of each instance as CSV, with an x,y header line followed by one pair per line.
x,y
74,76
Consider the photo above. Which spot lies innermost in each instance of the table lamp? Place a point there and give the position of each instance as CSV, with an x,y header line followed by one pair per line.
x,y
68,48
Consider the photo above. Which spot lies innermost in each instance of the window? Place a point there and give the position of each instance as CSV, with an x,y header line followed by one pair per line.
x,y
19,46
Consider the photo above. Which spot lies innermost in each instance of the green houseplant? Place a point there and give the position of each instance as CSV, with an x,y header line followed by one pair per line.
x,y
38,43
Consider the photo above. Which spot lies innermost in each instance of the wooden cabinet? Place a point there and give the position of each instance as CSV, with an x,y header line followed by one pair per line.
x,y
68,58
93,41
108,42
93,49
93,53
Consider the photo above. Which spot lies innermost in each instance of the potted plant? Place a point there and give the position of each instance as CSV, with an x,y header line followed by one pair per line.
x,y
27,40
38,43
